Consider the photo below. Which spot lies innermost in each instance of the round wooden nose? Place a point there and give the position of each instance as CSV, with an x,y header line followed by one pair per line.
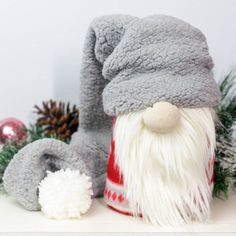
x,y
163,117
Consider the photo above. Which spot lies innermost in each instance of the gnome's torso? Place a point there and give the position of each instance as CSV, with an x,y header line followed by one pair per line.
x,y
114,193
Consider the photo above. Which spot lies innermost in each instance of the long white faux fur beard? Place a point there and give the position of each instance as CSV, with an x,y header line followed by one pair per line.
x,y
166,177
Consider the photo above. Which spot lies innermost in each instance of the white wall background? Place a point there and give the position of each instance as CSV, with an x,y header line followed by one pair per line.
x,y
41,43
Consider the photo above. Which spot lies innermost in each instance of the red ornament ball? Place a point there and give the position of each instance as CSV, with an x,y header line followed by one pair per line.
x,y
12,130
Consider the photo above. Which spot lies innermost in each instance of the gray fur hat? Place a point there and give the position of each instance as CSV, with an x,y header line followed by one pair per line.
x,y
159,58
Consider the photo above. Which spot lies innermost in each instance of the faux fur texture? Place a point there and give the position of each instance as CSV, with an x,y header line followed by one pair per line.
x,y
103,35
138,62
159,58
30,164
166,176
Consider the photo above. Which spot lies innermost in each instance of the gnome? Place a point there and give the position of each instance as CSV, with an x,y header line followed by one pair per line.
x,y
161,97
146,94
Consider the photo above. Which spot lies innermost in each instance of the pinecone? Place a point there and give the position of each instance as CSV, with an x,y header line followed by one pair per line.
x,y
58,119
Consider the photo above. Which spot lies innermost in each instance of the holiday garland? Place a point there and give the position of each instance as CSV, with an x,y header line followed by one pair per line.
x,y
58,120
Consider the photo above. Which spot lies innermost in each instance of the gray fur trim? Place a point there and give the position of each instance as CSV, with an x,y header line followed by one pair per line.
x,y
133,94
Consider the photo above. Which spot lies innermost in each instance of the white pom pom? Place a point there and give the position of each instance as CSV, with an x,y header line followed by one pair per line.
x,y
65,194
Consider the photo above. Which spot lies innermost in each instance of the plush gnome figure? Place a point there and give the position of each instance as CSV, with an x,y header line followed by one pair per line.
x,y
148,81
161,96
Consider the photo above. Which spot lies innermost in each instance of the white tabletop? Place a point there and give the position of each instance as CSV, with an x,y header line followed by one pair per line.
x,y
14,218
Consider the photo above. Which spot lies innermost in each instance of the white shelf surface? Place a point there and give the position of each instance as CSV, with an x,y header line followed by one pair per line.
x,y
100,218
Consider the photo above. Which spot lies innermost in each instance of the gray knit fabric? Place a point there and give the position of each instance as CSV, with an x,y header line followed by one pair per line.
x,y
159,58
128,64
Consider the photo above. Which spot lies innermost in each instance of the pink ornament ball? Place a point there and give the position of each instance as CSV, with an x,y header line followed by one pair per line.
x,y
12,130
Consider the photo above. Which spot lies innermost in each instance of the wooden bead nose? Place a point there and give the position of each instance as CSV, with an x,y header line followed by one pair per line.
x,y
163,117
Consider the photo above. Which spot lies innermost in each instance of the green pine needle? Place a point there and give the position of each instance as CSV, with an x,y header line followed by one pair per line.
x,y
222,181
225,163
227,107
6,154
227,83
36,132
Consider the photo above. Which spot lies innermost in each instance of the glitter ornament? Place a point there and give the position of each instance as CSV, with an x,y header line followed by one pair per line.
x,y
12,130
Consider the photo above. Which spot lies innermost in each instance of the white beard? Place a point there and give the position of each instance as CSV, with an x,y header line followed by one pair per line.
x,y
165,175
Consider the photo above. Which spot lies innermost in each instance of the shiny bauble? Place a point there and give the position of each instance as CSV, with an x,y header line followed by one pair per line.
x,y
12,130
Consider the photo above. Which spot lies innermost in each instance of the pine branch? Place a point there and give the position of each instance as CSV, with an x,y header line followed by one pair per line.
x,y
227,107
222,181
6,154
226,84
225,162
36,132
